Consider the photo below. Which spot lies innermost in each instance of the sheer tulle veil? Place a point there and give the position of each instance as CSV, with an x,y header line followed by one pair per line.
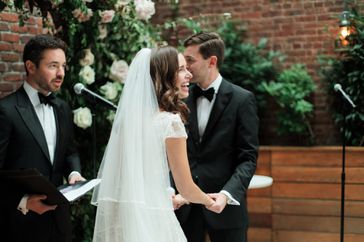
x,y
133,193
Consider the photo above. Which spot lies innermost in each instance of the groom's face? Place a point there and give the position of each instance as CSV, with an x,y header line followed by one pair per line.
x,y
196,64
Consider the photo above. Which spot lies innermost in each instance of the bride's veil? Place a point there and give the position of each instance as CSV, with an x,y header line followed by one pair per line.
x,y
133,192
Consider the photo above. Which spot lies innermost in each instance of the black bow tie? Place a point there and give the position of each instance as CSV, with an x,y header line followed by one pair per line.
x,y
209,93
46,99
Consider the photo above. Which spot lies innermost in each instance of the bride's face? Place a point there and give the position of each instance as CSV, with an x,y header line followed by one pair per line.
x,y
183,77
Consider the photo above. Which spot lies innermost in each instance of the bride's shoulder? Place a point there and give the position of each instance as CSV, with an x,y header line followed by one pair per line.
x,y
169,115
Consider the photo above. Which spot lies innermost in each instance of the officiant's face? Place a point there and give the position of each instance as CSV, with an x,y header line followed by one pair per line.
x,y
48,75
183,77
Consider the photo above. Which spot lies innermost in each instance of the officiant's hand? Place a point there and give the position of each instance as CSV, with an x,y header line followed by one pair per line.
x,y
220,202
76,177
179,201
35,203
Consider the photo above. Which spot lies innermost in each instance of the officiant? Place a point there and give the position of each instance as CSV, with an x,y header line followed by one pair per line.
x,y
37,132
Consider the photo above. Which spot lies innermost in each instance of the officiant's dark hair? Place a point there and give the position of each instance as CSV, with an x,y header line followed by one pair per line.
x,y
34,48
163,70
210,44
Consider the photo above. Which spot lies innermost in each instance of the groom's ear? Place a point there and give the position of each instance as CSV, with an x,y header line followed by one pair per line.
x,y
213,61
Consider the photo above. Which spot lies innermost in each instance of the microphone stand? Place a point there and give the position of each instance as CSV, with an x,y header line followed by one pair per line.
x,y
93,137
346,109
342,212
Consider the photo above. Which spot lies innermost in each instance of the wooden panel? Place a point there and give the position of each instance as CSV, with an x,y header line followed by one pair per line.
x,y
261,192
260,220
317,156
317,190
317,174
317,223
259,205
259,235
317,207
300,236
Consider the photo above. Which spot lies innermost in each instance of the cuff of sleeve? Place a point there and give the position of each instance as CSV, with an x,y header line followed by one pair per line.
x,y
73,173
22,207
230,199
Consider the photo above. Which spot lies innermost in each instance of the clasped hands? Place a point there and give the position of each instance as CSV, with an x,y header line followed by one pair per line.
x,y
220,201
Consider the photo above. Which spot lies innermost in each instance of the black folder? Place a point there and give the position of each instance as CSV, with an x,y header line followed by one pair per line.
x,y
31,181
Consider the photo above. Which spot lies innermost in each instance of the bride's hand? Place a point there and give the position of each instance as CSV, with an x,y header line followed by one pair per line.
x,y
179,201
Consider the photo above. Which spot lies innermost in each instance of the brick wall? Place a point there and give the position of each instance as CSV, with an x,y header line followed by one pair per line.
x,y
301,29
12,40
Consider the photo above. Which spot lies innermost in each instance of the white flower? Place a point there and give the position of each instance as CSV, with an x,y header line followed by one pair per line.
x,y
121,3
144,9
102,31
109,90
118,71
87,74
81,16
107,16
82,117
88,58
111,116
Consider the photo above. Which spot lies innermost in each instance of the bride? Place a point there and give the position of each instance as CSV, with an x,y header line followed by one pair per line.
x,y
147,140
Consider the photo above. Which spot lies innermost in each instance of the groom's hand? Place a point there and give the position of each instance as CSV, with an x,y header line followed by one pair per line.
x,y
219,204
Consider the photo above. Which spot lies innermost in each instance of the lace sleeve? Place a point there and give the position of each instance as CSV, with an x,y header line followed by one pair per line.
x,y
175,127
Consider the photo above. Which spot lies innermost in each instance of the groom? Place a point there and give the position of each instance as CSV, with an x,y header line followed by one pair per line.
x,y
222,144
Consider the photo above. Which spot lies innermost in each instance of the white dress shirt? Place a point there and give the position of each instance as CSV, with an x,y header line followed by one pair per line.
x,y
47,120
204,107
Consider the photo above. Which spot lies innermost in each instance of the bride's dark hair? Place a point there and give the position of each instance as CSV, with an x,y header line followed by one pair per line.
x,y
163,70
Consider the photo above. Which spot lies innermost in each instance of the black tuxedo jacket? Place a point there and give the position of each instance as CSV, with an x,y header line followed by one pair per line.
x,y
225,157
23,145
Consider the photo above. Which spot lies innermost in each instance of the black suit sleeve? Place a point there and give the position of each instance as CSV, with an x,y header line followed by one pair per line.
x,y
246,143
12,195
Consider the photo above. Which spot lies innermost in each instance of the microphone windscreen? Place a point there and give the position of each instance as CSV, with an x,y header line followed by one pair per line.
x,y
78,88
337,87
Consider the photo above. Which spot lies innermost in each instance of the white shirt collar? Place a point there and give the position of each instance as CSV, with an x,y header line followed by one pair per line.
x,y
215,84
32,94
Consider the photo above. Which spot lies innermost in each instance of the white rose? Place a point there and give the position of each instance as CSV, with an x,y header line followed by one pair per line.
x,y
81,16
144,9
111,116
82,117
109,90
121,3
88,58
107,16
87,74
102,31
118,71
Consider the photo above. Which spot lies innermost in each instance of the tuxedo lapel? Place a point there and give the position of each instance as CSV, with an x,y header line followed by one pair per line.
x,y
192,125
60,127
30,118
222,99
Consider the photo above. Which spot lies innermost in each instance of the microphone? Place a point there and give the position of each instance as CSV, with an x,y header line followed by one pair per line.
x,y
338,88
80,89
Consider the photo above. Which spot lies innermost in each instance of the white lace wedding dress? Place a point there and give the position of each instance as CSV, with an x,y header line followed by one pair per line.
x,y
152,220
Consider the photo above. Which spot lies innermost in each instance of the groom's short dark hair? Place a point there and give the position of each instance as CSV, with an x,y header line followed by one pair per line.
x,y
210,44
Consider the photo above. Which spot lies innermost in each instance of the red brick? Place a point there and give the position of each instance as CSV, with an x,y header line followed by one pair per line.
x,y
9,37
10,57
4,27
12,77
19,29
9,17
5,47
